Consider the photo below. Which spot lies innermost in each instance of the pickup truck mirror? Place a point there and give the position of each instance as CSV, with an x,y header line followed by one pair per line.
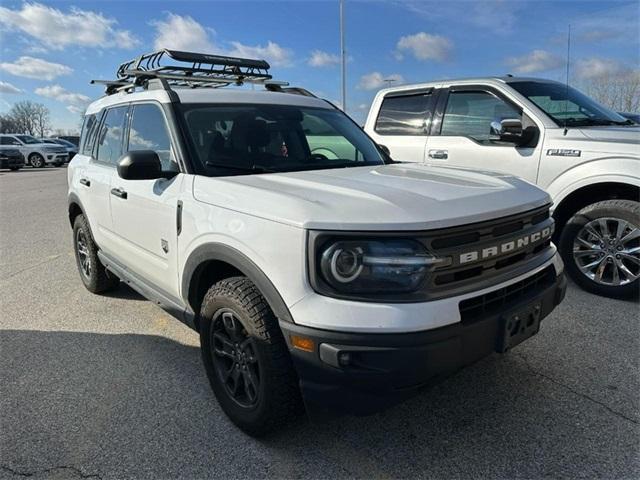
x,y
385,149
510,130
140,165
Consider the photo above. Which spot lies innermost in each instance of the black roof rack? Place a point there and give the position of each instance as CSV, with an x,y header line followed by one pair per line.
x,y
197,70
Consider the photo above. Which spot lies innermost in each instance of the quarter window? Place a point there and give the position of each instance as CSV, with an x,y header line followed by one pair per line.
x,y
469,114
110,135
148,131
404,115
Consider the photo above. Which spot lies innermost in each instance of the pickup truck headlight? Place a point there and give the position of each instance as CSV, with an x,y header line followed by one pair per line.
x,y
360,268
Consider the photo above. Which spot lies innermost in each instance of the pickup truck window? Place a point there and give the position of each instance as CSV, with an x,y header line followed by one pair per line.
x,y
470,113
148,131
9,141
110,135
404,115
567,106
248,139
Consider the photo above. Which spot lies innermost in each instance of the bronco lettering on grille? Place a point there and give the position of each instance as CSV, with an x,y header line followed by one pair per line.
x,y
510,246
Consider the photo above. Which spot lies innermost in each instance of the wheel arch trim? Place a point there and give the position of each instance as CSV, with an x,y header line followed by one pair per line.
x,y
235,258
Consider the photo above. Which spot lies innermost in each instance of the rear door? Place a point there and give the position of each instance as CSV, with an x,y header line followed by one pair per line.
x,y
403,123
461,133
96,177
145,211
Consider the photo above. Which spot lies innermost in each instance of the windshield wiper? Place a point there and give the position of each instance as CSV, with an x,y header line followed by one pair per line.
x,y
253,168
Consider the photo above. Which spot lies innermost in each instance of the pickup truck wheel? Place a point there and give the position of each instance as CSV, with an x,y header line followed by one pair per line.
x,y
600,245
246,358
36,160
95,277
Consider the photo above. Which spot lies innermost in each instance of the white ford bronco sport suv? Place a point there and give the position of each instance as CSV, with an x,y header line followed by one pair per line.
x,y
586,156
341,282
37,153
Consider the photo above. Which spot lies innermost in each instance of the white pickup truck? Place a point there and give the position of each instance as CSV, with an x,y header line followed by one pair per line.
x,y
584,155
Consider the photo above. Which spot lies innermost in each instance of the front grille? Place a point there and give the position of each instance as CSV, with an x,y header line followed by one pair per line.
x,y
476,308
454,243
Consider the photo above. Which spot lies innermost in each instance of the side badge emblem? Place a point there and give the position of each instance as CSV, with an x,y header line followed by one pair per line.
x,y
165,245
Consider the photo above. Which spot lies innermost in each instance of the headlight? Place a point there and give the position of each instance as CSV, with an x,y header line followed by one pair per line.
x,y
352,267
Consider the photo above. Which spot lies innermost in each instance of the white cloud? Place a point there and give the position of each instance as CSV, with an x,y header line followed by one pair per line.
x,y
179,32
536,61
272,52
424,46
31,67
6,87
319,58
182,33
56,29
375,80
590,68
76,102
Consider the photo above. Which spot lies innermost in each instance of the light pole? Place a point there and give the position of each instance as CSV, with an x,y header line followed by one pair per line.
x,y
343,59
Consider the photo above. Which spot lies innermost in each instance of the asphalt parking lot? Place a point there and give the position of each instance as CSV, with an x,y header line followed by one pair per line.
x,y
113,387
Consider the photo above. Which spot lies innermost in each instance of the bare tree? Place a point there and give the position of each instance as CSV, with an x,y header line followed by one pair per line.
x,y
30,117
619,91
8,124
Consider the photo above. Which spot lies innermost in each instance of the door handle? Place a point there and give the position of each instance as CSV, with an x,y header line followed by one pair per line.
x,y
118,192
439,154
85,182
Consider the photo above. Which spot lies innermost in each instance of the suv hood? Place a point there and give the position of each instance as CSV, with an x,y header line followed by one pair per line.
x,y
389,197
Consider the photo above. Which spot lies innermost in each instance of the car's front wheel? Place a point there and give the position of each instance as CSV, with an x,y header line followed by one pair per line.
x,y
94,276
600,245
246,357
36,160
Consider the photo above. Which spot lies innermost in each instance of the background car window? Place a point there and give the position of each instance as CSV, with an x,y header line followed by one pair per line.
x,y
88,134
110,135
148,131
469,114
9,141
404,115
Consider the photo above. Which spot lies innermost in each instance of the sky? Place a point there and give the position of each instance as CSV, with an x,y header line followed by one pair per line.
x,y
49,51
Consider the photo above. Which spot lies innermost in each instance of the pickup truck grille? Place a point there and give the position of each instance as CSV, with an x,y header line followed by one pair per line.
x,y
489,252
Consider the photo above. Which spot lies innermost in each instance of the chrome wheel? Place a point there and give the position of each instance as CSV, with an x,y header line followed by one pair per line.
x,y
607,251
83,254
234,358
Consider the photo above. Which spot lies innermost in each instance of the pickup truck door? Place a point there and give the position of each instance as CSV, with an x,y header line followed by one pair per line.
x,y
403,123
145,212
461,133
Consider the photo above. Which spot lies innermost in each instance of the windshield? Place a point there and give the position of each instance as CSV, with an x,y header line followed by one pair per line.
x,y
567,106
245,139
27,139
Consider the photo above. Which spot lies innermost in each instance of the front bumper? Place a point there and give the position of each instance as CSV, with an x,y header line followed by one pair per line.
x,y
383,369
57,158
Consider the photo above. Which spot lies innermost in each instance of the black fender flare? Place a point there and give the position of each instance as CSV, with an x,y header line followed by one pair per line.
x,y
235,258
73,198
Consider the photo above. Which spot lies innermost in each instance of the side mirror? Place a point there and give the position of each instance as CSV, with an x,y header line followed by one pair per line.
x,y
385,150
510,130
140,165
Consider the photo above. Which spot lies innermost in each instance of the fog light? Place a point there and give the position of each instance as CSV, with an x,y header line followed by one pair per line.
x,y
303,343
344,358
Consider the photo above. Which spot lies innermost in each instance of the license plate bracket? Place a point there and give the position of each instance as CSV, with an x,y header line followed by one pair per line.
x,y
517,326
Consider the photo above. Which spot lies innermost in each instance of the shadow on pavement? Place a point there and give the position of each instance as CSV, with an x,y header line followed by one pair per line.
x,y
140,406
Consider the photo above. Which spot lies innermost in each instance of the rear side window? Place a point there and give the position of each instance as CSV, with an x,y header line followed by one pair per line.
x,y
404,115
109,136
87,136
9,141
148,131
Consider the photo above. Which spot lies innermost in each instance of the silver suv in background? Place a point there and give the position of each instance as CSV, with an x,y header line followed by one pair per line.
x,y
585,155
36,153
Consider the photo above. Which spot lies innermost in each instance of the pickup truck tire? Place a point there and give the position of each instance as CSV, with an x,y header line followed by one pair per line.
x,y
599,245
95,277
36,160
246,358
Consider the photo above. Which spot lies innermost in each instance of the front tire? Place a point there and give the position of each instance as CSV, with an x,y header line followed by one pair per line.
x,y
600,246
94,276
246,358
36,160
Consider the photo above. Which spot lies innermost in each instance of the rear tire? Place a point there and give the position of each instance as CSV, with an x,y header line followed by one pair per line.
x,y
94,276
246,358
36,160
599,246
